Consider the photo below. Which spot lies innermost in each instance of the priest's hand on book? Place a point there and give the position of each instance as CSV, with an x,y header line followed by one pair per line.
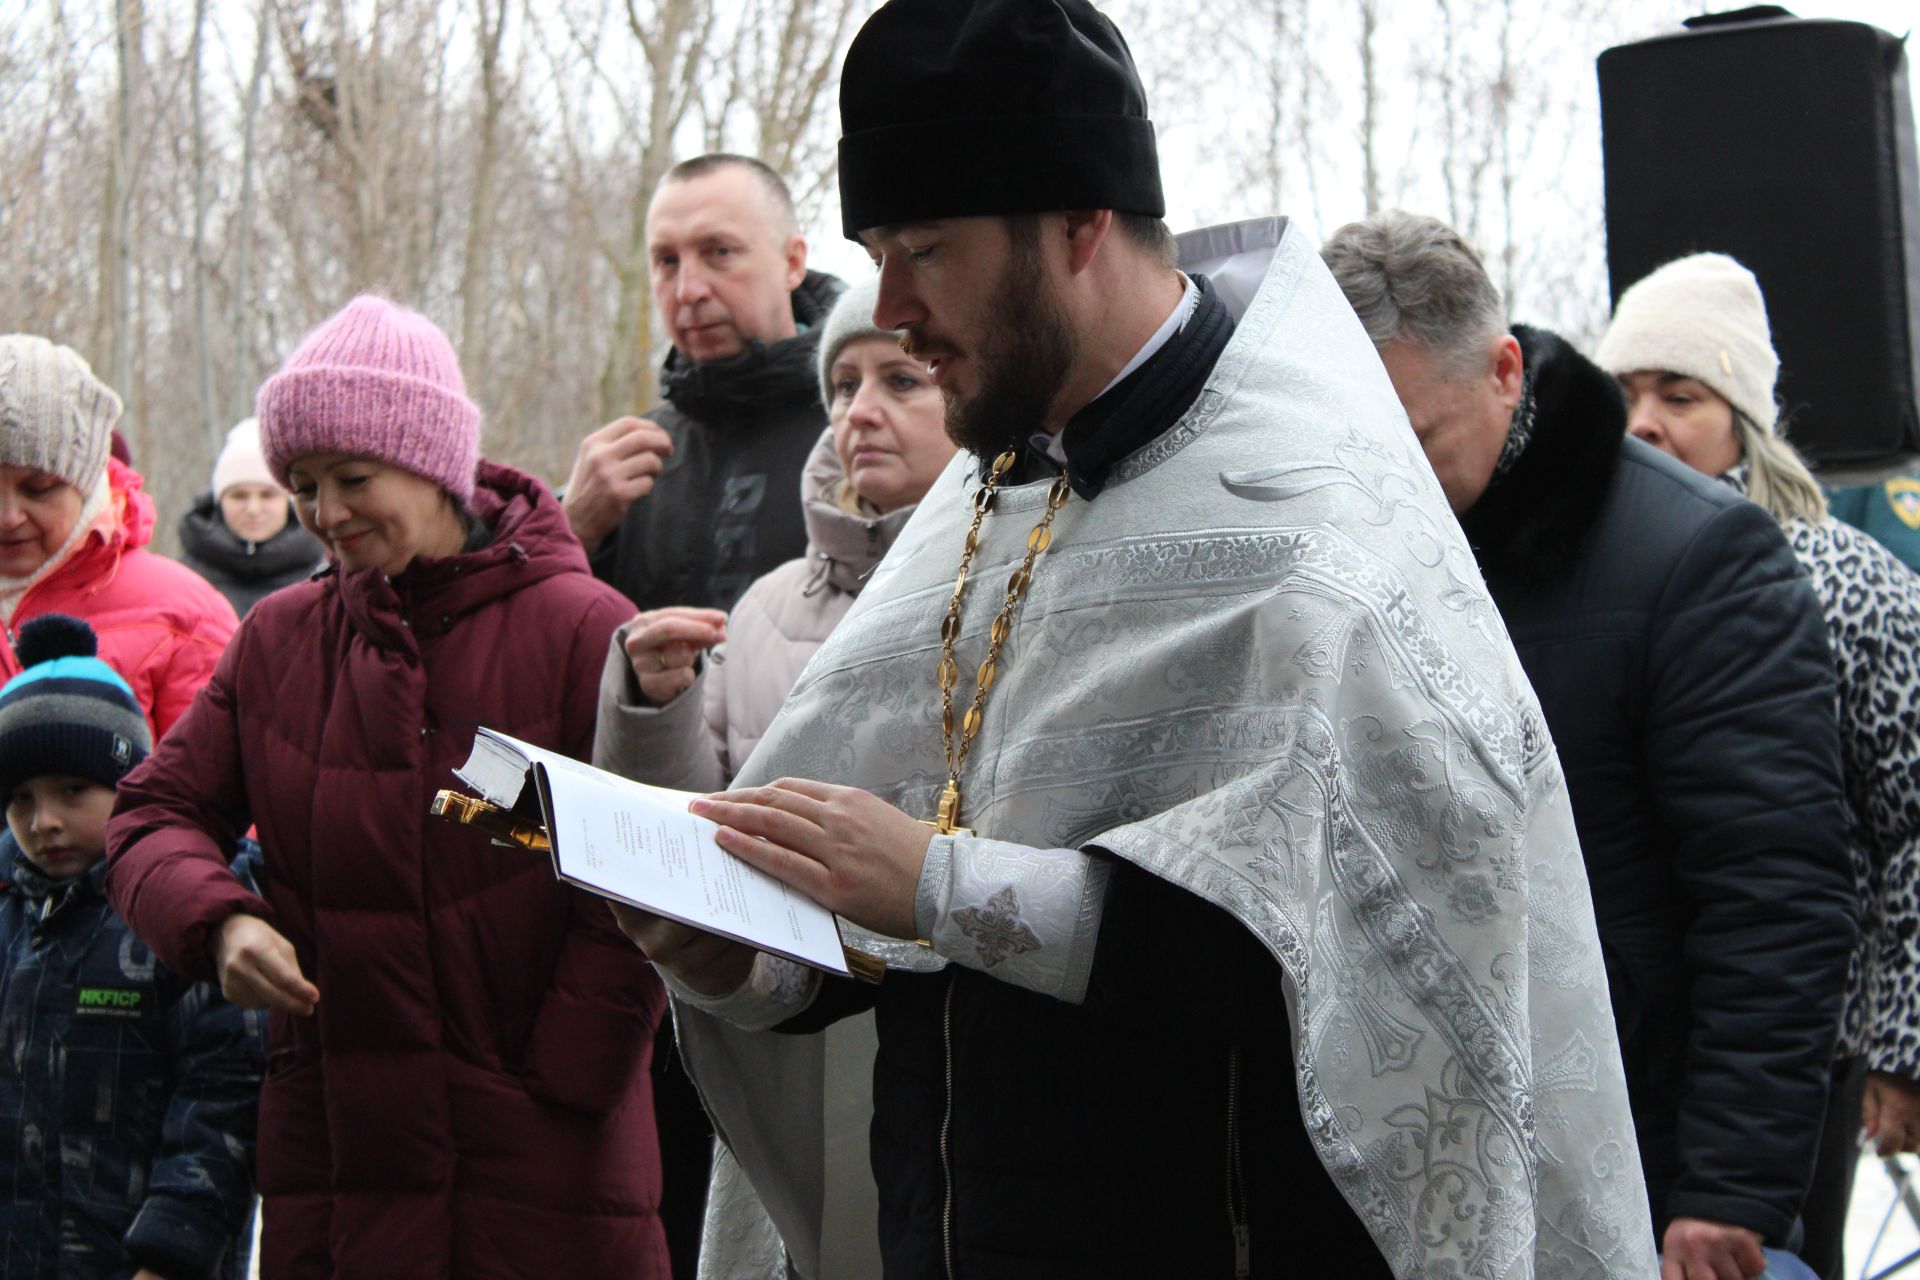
x,y
705,962
845,848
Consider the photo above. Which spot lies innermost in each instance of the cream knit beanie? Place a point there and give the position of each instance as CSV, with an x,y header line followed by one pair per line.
x,y
241,461
55,416
1701,317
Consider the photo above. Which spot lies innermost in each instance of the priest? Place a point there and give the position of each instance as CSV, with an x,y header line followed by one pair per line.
x,y
1174,759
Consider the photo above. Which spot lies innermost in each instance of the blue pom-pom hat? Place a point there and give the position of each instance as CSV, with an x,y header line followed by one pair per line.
x,y
68,714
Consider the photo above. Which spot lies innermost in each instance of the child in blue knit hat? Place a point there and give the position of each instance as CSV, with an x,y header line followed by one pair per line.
x,y
127,1096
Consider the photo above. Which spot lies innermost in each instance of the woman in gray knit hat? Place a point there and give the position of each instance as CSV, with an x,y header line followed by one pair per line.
x,y
884,446
687,693
1693,351
73,533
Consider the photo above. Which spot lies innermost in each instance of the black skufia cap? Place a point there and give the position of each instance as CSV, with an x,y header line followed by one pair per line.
x,y
963,108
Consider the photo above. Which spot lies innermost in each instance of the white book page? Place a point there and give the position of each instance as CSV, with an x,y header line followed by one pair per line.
x,y
638,843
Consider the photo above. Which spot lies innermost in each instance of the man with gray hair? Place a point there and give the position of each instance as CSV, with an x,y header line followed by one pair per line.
x,y
1682,666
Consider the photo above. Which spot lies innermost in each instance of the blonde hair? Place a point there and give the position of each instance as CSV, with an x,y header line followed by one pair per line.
x,y
1777,479
849,501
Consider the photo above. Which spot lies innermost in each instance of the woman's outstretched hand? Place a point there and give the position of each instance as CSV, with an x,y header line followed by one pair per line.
x,y
258,969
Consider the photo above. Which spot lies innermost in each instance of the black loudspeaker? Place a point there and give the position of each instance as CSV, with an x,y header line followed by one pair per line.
x,y
1787,143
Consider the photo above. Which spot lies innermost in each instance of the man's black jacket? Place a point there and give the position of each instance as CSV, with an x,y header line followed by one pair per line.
x,y
726,507
1681,661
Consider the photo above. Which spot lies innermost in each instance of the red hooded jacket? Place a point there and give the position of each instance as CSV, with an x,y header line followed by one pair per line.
x,y
160,624
471,1096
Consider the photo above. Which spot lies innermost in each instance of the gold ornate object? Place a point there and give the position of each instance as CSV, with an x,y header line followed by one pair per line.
x,y
947,821
863,966
504,827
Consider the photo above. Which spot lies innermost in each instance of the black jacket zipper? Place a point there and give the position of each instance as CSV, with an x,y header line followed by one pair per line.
x,y
946,1130
1236,1175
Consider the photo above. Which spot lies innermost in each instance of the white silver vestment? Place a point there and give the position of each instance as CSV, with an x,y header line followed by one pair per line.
x,y
1262,665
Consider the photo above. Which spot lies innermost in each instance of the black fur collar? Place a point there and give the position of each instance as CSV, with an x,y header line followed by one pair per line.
x,y
1531,520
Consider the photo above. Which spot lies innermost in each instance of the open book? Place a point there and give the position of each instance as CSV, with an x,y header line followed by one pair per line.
x,y
637,844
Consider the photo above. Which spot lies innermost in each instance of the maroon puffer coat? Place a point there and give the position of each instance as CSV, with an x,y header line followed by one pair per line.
x,y
471,1098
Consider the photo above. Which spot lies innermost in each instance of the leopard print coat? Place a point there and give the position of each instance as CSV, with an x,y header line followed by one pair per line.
x,y
1872,604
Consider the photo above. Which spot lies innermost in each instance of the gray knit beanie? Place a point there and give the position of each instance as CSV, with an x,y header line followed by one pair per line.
x,y
1701,317
55,416
852,317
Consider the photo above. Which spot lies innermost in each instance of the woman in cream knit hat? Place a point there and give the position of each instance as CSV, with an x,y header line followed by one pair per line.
x,y
74,527
1692,349
240,535
1694,354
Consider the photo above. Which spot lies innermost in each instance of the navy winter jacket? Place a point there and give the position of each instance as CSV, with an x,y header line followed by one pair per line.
x,y
1681,660
127,1095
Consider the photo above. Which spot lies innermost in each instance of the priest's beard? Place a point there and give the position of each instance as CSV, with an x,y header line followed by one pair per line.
x,y
1022,361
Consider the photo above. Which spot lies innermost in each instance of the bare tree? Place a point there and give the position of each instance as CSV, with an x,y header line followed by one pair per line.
x,y
784,54
202,323
367,98
114,332
241,402
674,37
490,23
1369,104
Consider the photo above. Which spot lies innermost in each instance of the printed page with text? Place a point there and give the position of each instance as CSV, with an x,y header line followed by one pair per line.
x,y
637,843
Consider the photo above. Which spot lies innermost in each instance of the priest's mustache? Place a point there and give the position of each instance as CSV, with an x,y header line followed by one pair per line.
x,y
912,344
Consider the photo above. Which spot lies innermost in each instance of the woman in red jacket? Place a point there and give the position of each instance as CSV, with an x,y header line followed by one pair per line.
x,y
457,1079
73,531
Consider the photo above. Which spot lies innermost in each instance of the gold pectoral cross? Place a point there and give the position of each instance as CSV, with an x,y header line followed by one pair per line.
x,y
947,823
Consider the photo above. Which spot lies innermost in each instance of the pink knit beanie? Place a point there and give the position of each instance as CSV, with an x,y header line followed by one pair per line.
x,y
375,381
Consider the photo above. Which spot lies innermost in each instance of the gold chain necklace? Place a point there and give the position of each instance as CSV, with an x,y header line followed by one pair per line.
x,y
948,820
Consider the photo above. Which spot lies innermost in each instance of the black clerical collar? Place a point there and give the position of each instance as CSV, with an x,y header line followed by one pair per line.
x,y
1141,405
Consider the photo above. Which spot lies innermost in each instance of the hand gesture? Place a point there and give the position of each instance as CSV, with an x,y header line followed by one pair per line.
x,y
847,849
1890,1114
706,962
1696,1249
616,465
258,969
665,644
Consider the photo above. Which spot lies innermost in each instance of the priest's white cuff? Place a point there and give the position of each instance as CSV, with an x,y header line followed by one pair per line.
x,y
776,989
1023,915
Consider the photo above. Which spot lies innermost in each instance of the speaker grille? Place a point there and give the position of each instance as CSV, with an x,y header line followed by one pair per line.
x,y
1788,144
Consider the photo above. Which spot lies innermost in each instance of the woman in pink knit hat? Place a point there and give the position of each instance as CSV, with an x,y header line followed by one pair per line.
x,y
457,1083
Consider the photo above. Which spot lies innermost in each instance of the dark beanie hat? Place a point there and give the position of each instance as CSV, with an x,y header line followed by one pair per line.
x,y
68,714
963,108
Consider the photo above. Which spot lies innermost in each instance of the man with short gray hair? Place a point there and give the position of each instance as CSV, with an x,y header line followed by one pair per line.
x,y
691,502
1682,666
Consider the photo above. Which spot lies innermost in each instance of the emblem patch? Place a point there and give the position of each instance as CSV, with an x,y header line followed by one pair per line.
x,y
109,1002
1903,495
